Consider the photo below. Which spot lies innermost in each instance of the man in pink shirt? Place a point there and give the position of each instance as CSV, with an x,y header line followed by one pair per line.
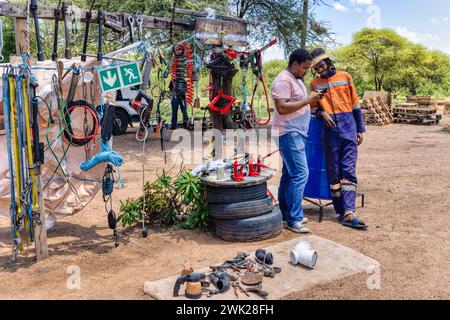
x,y
290,126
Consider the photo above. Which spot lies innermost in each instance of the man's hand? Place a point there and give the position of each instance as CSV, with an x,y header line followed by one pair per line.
x,y
360,138
314,97
329,123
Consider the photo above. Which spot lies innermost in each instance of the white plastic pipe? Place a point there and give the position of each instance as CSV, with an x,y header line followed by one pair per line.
x,y
303,254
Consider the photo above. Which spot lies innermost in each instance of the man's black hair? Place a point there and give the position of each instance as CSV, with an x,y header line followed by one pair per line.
x,y
299,56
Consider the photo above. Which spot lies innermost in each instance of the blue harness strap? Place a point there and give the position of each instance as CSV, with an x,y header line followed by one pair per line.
x,y
7,113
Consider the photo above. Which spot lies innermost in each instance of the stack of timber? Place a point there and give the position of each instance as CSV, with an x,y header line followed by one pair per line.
x,y
376,111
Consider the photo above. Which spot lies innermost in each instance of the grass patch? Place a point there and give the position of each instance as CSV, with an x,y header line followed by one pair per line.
x,y
446,129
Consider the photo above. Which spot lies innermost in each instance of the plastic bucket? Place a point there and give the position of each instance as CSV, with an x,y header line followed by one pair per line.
x,y
318,186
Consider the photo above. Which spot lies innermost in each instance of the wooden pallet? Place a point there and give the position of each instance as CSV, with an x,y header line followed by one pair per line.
x,y
376,111
415,121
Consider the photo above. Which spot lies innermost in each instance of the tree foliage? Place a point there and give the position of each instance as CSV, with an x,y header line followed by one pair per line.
x,y
292,22
383,60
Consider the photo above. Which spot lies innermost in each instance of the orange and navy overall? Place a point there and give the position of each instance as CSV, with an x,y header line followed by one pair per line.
x,y
340,144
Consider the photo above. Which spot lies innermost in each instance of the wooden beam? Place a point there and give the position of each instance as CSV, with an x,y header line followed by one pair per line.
x,y
204,14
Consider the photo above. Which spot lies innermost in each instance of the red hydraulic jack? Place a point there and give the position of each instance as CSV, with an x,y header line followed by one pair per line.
x,y
238,172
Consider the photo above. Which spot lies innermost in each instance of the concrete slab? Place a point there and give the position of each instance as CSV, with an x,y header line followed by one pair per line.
x,y
335,261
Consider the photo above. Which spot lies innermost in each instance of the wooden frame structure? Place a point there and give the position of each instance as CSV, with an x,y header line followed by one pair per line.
x,y
212,30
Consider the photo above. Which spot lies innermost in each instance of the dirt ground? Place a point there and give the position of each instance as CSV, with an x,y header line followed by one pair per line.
x,y
404,171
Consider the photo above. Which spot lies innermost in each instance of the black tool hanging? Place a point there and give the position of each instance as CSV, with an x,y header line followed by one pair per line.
x,y
108,121
101,17
68,50
57,13
107,189
86,31
34,8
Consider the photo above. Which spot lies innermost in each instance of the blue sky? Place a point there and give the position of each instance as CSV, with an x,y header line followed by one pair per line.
x,y
421,21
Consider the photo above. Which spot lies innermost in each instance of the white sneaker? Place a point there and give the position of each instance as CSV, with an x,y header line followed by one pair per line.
x,y
304,221
298,228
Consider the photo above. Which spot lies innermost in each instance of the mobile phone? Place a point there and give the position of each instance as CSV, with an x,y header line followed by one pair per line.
x,y
323,91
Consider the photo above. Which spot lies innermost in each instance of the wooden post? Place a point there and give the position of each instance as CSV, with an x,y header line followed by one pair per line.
x,y
40,232
20,27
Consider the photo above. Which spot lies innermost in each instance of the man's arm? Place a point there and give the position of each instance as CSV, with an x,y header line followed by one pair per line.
x,y
284,106
357,112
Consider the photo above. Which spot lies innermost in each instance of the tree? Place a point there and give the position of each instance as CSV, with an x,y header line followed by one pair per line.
x,y
292,22
376,50
383,60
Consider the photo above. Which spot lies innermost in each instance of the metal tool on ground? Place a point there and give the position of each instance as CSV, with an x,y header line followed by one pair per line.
x,y
34,8
66,15
86,31
258,291
251,279
100,35
57,13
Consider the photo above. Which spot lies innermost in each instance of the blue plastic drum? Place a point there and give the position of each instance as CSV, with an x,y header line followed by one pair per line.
x,y
318,186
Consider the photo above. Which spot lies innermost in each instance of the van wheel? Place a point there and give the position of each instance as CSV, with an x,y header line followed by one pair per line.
x,y
120,122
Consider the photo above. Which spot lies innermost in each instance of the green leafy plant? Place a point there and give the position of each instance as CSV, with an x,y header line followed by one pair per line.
x,y
166,198
192,193
446,129
130,212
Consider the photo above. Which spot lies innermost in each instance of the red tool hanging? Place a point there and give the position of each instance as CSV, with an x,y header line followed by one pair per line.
x,y
222,103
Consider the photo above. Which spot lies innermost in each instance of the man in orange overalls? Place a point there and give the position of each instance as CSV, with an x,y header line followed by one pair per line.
x,y
343,133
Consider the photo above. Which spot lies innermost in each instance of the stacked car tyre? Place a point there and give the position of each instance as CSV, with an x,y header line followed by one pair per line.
x,y
244,213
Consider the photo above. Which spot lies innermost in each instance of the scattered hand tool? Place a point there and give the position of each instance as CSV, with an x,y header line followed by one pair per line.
x,y
242,289
101,15
235,287
68,51
86,31
258,290
57,13
33,8
131,24
251,279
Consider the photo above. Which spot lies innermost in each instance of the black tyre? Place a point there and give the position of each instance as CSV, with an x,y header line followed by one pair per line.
x,y
252,229
241,210
220,195
120,122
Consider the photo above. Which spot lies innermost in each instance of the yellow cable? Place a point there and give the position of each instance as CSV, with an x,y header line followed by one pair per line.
x,y
30,156
12,94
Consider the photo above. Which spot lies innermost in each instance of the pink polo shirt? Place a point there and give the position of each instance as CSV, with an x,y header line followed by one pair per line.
x,y
286,86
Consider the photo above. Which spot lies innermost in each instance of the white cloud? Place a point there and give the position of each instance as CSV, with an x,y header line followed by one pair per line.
x,y
435,20
362,2
416,37
340,7
358,10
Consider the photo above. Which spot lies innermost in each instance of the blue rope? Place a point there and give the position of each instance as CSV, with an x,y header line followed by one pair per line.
x,y
106,154
6,111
